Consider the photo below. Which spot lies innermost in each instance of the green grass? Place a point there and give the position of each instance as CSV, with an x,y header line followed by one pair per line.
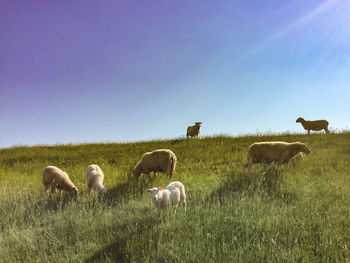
x,y
268,214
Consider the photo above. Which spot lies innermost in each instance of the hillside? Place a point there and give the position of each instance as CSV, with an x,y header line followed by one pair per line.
x,y
300,212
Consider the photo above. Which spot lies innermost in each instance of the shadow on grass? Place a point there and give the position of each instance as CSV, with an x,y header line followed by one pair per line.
x,y
55,202
264,181
117,250
130,189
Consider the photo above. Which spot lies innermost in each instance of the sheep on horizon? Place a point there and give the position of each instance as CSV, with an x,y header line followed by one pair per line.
x,y
162,160
193,131
58,179
315,125
279,152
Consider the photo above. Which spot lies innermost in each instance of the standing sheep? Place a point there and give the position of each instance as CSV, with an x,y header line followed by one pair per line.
x,y
316,125
58,179
193,131
280,152
162,160
94,179
168,197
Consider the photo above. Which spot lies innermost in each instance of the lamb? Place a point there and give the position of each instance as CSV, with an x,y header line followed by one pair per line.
x,y
280,152
193,131
58,179
162,160
94,179
171,195
316,125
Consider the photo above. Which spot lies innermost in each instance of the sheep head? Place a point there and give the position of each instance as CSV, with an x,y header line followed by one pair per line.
x,y
154,193
300,119
199,123
137,172
74,191
304,148
104,190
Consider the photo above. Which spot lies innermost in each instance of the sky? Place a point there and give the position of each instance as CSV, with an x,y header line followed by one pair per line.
x,y
134,70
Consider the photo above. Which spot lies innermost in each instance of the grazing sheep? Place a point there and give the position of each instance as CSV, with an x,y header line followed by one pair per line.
x,y
58,179
316,125
94,179
193,131
280,152
170,196
162,160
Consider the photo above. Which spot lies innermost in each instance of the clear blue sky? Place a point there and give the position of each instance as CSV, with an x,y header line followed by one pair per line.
x,y
99,71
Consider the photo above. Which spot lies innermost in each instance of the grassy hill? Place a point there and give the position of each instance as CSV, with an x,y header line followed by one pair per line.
x,y
297,213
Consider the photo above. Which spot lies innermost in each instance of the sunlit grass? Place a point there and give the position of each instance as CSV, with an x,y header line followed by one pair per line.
x,y
271,213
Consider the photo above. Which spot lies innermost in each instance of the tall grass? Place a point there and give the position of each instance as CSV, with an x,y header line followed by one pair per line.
x,y
270,213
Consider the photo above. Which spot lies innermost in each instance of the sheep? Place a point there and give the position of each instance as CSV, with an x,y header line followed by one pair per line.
x,y
94,179
162,160
168,197
193,131
280,152
316,125
58,179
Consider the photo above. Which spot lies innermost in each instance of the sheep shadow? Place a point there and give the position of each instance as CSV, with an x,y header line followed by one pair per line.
x,y
55,202
117,250
266,180
130,189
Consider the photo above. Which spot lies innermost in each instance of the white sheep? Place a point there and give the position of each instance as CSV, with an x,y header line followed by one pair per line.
x,y
58,179
162,160
172,195
279,152
193,131
94,179
316,125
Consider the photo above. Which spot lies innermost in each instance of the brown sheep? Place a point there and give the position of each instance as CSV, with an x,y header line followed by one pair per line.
x,y
280,152
162,160
193,131
316,125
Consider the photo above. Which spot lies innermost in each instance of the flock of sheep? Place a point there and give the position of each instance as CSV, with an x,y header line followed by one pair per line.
x,y
164,161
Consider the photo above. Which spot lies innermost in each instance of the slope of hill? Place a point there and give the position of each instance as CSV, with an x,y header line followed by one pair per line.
x,y
270,213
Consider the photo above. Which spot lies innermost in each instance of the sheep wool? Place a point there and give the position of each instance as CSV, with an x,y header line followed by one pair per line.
x,y
162,160
94,179
316,125
193,131
58,179
172,195
279,152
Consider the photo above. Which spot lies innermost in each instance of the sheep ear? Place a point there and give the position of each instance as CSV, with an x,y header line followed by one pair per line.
x,y
160,189
148,190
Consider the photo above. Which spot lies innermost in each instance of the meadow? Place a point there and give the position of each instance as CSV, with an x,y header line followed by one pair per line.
x,y
300,212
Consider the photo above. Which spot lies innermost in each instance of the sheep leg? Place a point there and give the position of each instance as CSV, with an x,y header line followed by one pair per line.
x,y
249,165
168,206
47,189
183,200
89,189
53,186
308,132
